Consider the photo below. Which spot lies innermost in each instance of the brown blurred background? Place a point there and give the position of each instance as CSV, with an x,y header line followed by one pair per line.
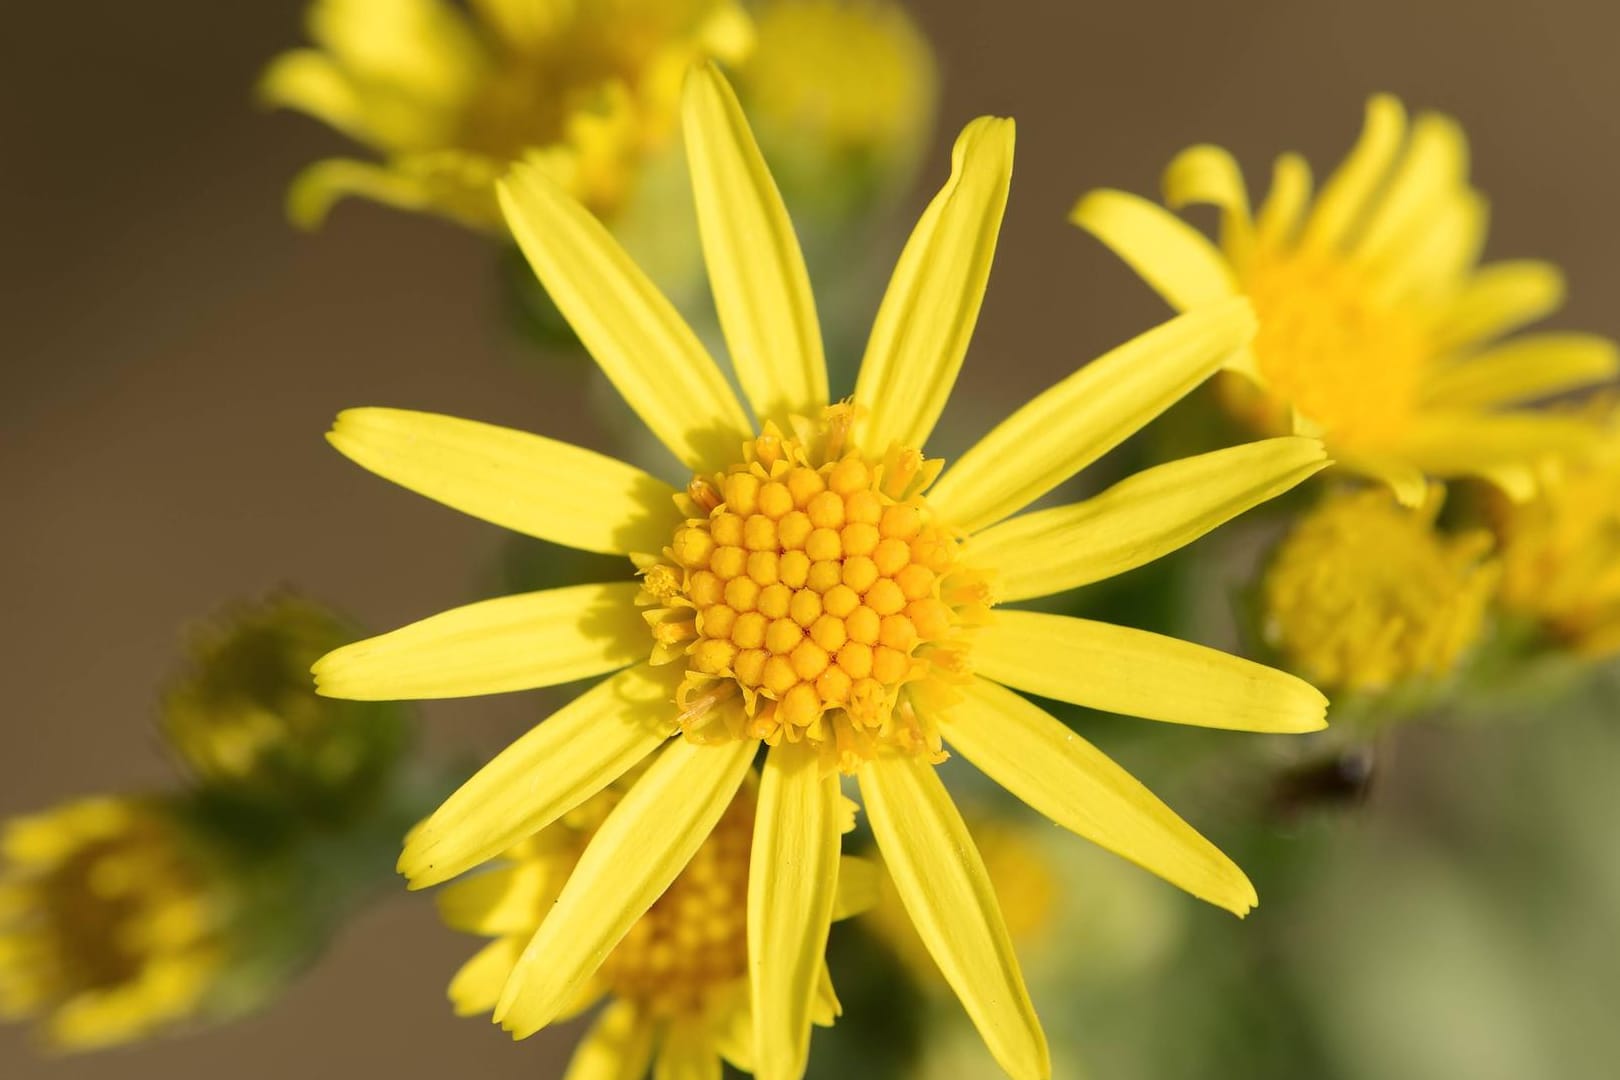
x,y
173,352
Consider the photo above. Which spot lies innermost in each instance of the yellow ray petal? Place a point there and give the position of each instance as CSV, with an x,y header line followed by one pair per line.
x,y
1461,443
1174,258
761,286
619,1046
635,855
827,1008
319,187
1074,784
1524,369
1440,257
503,900
558,764
1429,175
733,1030
530,484
1278,222
791,885
1501,298
932,303
1349,194
942,882
1086,415
1141,518
476,986
310,81
687,1053
510,643
636,336
1404,479
860,884
1209,175
1121,670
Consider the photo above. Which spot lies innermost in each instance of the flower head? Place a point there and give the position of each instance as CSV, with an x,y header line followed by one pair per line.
x,y
1363,594
1378,327
451,99
899,568
109,923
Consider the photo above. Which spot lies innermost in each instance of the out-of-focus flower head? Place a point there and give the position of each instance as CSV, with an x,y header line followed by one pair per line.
x,y
1363,594
1561,550
243,714
677,982
449,99
1379,330
111,921
842,96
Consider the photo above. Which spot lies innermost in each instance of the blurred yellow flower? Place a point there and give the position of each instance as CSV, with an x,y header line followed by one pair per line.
x,y
450,99
677,983
1363,594
1378,329
108,926
803,592
1561,550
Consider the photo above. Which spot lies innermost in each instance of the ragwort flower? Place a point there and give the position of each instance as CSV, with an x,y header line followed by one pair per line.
x,y
817,587
1378,328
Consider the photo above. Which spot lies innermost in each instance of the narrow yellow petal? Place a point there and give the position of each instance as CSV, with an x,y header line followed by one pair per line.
x,y
1278,223
1210,176
687,1053
635,855
1501,298
635,334
319,187
311,82
502,900
1074,784
793,868
1174,258
733,1031
1404,479
827,1008
1524,369
558,764
761,286
1431,173
928,313
1141,518
1121,670
1348,194
942,882
510,643
1439,258
476,987
860,884
1086,415
1465,444
530,484
619,1046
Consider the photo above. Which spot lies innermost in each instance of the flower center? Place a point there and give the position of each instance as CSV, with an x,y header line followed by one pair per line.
x,y
817,584
1339,354
694,938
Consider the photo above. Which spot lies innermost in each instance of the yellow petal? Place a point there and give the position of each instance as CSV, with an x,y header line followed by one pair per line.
x,y
502,900
635,334
1439,258
687,1054
827,1008
1348,194
1174,258
1404,479
791,884
1121,670
1074,784
761,286
557,765
860,884
942,882
638,851
510,643
311,82
1140,518
1278,222
317,188
477,985
1430,174
1208,175
1524,369
1501,298
619,1046
733,1030
1462,444
530,484
932,303
1088,414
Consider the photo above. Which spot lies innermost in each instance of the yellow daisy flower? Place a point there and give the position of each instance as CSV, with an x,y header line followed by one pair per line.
x,y
677,984
108,932
813,589
450,98
1378,328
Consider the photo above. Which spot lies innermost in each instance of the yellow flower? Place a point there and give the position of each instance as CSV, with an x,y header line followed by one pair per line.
x,y
108,932
813,589
450,99
1561,550
678,981
1363,594
1378,329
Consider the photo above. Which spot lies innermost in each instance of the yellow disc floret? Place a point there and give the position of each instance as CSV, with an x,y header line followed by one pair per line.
x,y
815,582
